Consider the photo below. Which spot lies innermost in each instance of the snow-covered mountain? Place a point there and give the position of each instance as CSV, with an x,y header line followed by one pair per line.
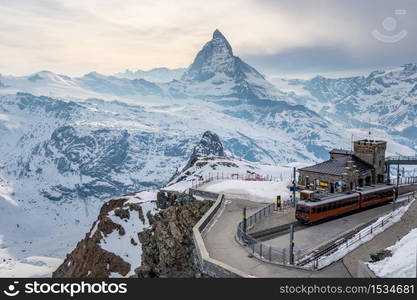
x,y
154,75
46,83
385,99
119,240
217,74
68,144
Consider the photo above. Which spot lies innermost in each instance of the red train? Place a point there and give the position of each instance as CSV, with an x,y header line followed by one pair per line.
x,y
310,211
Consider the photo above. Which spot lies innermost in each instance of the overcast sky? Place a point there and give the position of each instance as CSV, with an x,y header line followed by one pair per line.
x,y
278,37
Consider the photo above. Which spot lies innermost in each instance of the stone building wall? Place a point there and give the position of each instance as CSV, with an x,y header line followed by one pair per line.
x,y
373,152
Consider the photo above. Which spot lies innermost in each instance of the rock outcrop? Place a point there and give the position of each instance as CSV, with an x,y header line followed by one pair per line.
x,y
167,247
130,239
97,255
209,146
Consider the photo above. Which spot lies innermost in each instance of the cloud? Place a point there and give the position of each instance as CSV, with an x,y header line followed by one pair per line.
x,y
75,37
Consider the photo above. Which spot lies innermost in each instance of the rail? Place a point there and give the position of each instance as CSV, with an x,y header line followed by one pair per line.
x,y
259,249
400,158
218,176
403,180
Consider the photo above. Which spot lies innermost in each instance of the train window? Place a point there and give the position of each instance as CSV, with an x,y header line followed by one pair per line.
x,y
301,208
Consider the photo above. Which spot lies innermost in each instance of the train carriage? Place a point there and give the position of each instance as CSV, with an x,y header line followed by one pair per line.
x,y
310,211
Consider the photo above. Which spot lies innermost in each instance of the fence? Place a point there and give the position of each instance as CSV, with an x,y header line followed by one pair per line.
x,y
257,248
317,260
400,158
403,180
233,176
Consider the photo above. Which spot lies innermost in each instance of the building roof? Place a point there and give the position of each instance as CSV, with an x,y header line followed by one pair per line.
x,y
341,151
337,166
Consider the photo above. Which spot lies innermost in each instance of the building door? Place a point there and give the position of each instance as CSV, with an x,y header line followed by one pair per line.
x,y
380,178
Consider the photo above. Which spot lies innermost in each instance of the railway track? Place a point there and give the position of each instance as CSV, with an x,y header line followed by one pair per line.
x,y
270,233
333,245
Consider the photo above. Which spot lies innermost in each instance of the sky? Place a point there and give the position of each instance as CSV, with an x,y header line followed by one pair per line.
x,y
278,37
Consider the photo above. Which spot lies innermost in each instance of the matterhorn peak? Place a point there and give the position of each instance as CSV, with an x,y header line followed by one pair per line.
x,y
216,66
217,34
216,56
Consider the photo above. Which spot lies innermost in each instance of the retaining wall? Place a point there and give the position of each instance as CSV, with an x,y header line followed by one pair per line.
x,y
208,265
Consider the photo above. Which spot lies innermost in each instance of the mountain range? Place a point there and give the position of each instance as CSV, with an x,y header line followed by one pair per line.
x,y
69,143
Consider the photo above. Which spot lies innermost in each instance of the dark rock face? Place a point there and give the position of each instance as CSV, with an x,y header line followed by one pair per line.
x,y
88,259
209,145
167,247
380,255
165,199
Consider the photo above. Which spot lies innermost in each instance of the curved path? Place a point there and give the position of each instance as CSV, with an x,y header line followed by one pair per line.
x,y
221,244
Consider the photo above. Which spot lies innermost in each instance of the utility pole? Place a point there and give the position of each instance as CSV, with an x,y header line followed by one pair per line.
x,y
292,244
244,219
398,175
293,186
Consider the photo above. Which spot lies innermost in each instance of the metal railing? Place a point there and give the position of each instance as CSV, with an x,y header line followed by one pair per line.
x,y
259,249
399,158
403,180
218,176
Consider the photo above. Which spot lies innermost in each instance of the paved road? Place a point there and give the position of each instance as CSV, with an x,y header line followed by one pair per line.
x,y
221,245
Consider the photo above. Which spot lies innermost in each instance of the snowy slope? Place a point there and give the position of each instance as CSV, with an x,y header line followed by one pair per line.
x,y
385,99
402,263
153,75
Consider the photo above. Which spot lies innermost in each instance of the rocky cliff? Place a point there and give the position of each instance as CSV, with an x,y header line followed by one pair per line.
x,y
135,236
167,247
112,247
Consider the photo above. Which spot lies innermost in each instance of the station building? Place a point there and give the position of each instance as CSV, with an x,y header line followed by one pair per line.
x,y
347,170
